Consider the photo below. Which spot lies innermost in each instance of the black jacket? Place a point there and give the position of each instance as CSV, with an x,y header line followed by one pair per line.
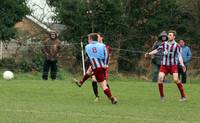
x,y
157,58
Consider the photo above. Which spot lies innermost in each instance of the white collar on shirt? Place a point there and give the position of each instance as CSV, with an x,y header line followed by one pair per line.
x,y
171,42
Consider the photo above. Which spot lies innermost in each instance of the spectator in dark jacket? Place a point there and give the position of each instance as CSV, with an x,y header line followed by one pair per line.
x,y
186,54
157,58
51,47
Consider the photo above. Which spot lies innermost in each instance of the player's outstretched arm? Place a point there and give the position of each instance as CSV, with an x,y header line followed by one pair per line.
x,y
151,53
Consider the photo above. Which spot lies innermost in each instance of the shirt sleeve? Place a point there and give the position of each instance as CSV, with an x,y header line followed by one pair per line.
x,y
108,51
155,46
106,56
86,50
180,59
189,54
160,47
179,50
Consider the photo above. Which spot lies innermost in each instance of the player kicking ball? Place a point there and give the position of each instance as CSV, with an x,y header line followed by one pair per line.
x,y
97,55
94,81
170,60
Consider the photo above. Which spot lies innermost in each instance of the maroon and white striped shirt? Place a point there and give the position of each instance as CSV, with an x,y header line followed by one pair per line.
x,y
171,52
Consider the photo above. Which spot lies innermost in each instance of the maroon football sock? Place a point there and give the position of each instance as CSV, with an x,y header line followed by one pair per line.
x,y
160,86
180,87
85,77
108,93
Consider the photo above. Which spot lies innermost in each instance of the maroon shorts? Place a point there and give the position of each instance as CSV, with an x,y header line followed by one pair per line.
x,y
99,74
169,69
106,74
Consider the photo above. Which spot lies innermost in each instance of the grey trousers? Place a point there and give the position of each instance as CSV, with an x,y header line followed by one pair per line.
x,y
156,69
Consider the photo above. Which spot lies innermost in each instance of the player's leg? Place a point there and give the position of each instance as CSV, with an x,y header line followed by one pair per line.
x,y
95,88
180,86
107,92
100,76
45,70
161,77
85,77
106,77
105,88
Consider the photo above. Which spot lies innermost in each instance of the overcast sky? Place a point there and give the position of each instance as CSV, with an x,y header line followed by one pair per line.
x,y
40,10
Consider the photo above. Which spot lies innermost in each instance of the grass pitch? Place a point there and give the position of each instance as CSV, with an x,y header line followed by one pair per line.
x,y
37,101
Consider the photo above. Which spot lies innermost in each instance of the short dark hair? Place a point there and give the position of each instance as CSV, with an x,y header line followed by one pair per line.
x,y
183,40
100,34
172,31
93,36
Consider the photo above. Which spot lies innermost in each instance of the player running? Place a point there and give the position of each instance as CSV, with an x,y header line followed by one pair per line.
x,y
94,81
171,51
98,55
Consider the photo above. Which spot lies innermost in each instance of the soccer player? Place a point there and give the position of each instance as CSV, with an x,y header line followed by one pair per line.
x,y
97,54
171,51
94,81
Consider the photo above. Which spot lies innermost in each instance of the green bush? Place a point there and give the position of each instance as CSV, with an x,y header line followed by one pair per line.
x,y
24,65
37,63
8,63
34,64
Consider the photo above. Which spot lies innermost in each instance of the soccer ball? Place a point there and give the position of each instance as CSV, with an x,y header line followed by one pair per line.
x,y
8,75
